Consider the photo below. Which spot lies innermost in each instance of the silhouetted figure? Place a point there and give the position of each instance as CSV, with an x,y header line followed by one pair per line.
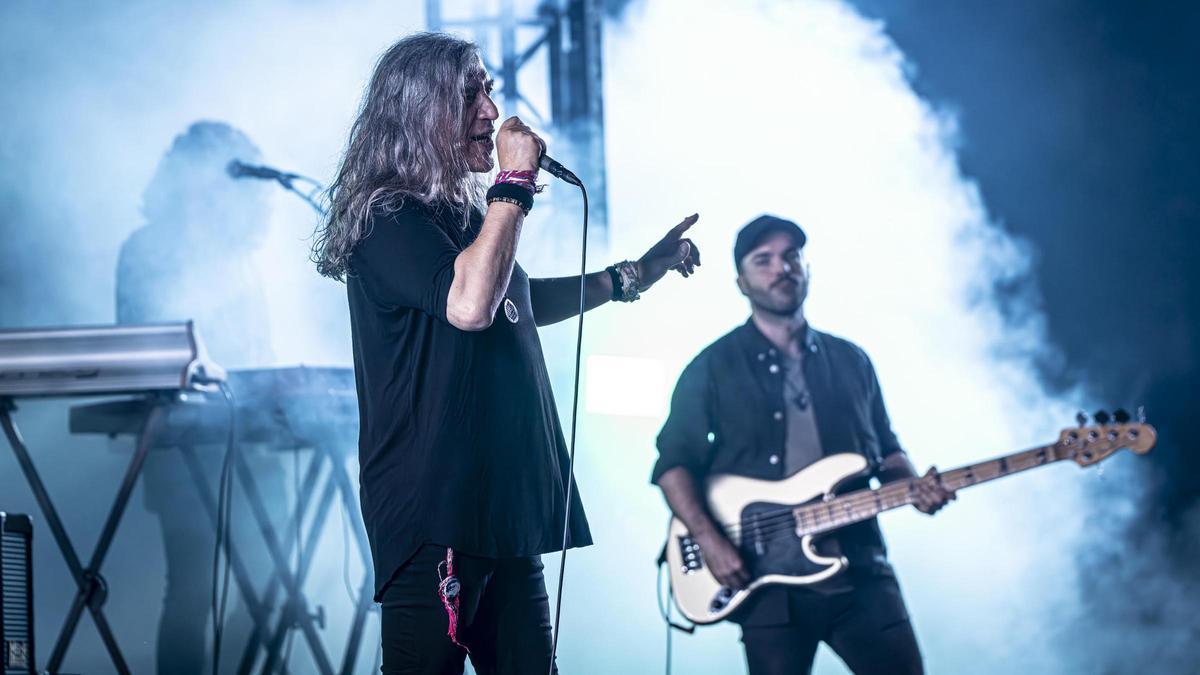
x,y
193,260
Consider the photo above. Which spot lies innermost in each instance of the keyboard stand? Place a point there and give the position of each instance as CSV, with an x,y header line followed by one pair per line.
x,y
184,421
92,590
332,484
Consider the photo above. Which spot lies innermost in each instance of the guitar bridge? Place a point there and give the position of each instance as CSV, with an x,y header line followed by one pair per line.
x,y
689,551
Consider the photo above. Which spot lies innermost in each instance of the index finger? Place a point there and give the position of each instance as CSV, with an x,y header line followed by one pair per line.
x,y
683,225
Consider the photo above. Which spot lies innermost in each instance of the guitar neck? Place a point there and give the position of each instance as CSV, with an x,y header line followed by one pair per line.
x,y
864,504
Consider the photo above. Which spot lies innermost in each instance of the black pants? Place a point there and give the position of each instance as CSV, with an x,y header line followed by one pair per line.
x,y
867,627
504,617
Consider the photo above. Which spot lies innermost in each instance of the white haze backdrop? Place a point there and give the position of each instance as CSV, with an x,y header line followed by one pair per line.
x,y
803,109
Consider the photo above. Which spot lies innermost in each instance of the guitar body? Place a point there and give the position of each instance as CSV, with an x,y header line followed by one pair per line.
x,y
766,536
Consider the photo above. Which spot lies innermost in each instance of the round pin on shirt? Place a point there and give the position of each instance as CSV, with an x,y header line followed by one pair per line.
x,y
510,310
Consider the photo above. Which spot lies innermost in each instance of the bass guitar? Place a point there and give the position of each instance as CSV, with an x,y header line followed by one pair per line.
x,y
774,524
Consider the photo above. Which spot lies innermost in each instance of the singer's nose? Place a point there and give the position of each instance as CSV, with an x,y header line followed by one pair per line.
x,y
488,109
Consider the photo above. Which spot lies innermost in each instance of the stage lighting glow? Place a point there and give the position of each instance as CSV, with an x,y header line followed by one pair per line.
x,y
624,385
726,107
807,110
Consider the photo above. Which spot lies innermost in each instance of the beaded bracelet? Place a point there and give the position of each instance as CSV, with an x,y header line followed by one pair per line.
x,y
625,278
510,200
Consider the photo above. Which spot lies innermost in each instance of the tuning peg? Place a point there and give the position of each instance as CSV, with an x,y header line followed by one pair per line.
x,y
1101,417
1141,416
1082,418
1121,416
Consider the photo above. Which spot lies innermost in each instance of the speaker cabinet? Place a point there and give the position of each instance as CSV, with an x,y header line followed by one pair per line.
x,y
16,598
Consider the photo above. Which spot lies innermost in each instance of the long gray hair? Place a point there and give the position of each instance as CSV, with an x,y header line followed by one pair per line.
x,y
405,144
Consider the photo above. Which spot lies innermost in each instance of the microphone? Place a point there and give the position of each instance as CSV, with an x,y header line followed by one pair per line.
x,y
558,170
237,169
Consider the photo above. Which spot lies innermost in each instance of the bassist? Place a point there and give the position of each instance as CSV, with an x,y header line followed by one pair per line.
x,y
765,401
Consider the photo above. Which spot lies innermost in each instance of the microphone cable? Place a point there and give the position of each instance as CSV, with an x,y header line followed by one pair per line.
x,y
562,564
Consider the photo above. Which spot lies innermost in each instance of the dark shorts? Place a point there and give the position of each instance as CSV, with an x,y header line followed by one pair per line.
x,y
867,626
504,617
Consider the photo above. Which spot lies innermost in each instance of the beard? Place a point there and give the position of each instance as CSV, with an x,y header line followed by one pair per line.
x,y
478,155
780,299
479,161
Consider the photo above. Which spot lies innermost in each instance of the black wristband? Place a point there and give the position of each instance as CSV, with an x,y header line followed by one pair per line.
x,y
618,290
511,193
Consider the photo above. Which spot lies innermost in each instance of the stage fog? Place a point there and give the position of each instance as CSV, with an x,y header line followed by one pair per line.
x,y
807,110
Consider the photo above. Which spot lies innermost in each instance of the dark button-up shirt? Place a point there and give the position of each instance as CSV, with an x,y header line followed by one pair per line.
x,y
728,417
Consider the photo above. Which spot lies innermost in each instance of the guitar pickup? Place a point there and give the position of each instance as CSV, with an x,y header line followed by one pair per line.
x,y
760,548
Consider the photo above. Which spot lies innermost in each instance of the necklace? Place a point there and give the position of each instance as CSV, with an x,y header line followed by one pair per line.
x,y
799,397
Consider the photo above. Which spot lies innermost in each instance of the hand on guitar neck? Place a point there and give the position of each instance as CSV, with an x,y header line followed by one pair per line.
x,y
930,495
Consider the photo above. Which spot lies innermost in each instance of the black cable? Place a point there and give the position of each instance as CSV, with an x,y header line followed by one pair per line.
x,y
664,608
291,630
287,648
220,576
347,523
669,629
378,659
562,565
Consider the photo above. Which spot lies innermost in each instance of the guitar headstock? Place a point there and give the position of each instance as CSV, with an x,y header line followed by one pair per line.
x,y
1088,445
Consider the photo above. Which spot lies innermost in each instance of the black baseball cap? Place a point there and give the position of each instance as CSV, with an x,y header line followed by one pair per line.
x,y
755,230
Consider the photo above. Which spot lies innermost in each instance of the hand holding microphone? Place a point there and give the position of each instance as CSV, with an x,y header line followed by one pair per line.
x,y
518,148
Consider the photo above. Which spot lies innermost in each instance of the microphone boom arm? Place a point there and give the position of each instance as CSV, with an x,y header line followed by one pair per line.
x,y
237,169
310,196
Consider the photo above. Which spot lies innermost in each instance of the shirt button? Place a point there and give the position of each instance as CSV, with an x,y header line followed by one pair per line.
x,y
773,369
761,356
813,348
778,415
774,459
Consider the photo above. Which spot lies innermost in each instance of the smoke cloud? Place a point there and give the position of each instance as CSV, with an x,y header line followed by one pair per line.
x,y
806,110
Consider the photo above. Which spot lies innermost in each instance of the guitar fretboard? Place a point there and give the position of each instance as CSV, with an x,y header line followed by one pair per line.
x,y
863,504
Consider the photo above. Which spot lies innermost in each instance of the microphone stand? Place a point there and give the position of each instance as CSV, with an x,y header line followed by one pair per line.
x,y
287,180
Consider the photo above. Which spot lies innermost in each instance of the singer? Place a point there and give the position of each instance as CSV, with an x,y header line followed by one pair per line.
x,y
463,461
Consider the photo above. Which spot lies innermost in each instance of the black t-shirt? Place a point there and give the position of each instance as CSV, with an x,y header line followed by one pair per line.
x,y
459,441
